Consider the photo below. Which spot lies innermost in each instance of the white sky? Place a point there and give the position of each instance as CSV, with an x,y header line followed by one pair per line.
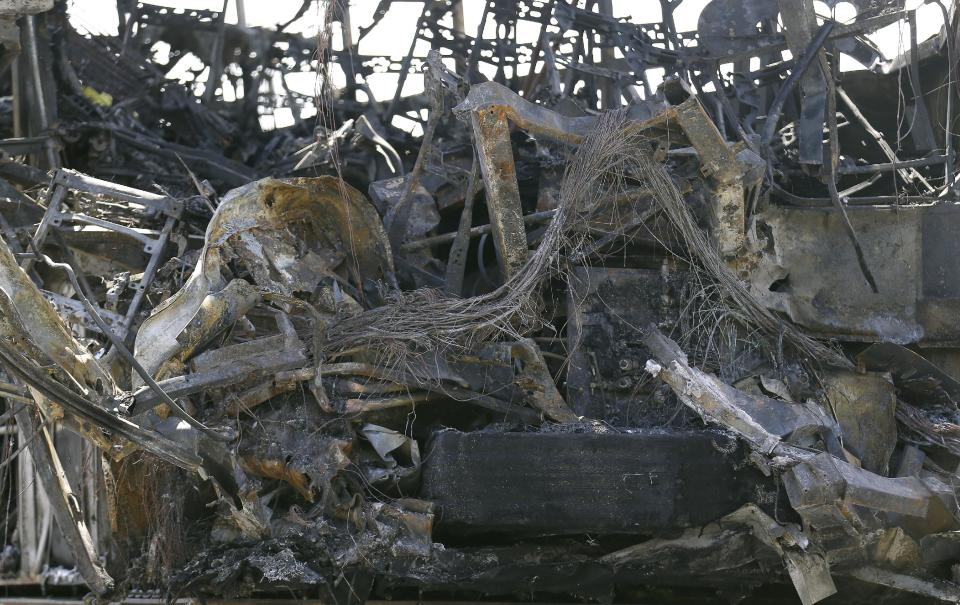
x,y
392,36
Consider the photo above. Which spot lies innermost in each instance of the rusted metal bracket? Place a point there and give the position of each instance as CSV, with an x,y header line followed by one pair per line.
x,y
492,107
524,114
718,163
492,133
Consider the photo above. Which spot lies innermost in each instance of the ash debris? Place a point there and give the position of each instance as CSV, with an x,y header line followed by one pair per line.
x,y
632,313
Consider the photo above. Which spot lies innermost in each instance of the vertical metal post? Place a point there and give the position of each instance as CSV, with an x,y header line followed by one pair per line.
x,y
216,56
348,53
17,91
460,27
491,131
405,65
30,29
800,22
610,96
241,13
458,23
32,54
30,503
921,130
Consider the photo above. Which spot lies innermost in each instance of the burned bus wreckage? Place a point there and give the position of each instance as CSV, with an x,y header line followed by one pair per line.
x,y
623,314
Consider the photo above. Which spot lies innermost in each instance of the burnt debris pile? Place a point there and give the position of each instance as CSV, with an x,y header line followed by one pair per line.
x,y
610,311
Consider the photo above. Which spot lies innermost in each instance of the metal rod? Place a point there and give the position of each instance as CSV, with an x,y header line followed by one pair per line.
x,y
885,147
529,219
216,56
457,258
948,124
241,13
32,54
831,177
16,92
894,166
41,102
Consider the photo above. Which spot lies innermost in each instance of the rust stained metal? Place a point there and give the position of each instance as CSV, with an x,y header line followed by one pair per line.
x,y
719,164
524,114
491,131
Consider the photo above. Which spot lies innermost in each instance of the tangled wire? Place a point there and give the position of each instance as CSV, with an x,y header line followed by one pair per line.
x,y
615,155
